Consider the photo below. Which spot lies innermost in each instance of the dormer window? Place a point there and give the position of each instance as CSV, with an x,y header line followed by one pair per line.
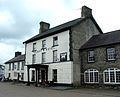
x,y
55,41
34,47
44,44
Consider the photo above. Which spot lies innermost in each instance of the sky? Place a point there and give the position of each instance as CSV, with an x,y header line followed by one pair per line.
x,y
19,19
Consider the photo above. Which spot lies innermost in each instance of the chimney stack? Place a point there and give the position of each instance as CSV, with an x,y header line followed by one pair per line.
x,y
43,27
17,53
86,12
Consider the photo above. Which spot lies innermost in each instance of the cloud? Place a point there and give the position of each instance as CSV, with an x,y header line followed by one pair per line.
x,y
19,19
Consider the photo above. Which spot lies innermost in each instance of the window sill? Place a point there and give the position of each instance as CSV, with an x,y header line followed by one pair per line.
x,y
34,50
91,61
55,45
111,60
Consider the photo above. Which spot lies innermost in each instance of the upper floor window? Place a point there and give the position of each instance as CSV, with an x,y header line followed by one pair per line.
x,y
55,41
18,66
110,53
63,56
91,76
91,56
34,46
33,58
44,44
55,56
43,57
13,66
22,67
9,66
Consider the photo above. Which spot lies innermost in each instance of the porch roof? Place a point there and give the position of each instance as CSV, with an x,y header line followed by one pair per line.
x,y
37,66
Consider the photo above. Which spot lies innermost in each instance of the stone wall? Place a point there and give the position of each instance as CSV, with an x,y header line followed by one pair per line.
x,y
101,63
80,34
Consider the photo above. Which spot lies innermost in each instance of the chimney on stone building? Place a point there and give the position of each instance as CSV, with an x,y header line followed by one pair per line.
x,y
43,27
86,11
17,53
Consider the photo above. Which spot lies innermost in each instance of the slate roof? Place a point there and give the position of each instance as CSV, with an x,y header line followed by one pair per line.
x,y
109,38
16,59
61,28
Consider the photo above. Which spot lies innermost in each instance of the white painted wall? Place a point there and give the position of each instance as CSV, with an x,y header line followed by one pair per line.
x,y
64,72
7,71
64,69
63,46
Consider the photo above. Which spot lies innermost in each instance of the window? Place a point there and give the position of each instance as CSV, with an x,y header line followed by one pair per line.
x,y
13,65
112,76
91,57
43,57
9,66
55,56
18,67
22,67
9,75
55,41
33,58
55,75
110,53
15,74
34,47
33,75
91,76
44,44
63,56
22,76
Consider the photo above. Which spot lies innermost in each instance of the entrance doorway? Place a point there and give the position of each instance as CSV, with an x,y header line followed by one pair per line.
x,y
43,76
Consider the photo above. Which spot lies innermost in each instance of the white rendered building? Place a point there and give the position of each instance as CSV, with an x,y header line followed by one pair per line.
x,y
14,68
53,54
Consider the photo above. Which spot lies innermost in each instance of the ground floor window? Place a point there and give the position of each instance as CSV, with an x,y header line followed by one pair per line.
x,y
91,76
33,75
55,75
22,76
9,75
112,76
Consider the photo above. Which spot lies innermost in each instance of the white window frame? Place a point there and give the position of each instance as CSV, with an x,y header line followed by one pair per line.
x,y
22,65
43,43
110,54
109,70
89,78
55,56
91,55
55,41
33,58
43,57
9,66
34,47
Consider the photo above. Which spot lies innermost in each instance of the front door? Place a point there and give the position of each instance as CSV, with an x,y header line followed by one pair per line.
x,y
42,75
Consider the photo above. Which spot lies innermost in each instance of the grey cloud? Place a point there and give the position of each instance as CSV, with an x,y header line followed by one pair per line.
x,y
23,20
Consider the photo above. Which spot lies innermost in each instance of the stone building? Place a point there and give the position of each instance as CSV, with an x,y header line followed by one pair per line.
x,y
100,60
53,54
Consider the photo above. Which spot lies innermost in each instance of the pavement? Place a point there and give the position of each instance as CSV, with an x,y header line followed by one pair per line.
x,y
21,90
